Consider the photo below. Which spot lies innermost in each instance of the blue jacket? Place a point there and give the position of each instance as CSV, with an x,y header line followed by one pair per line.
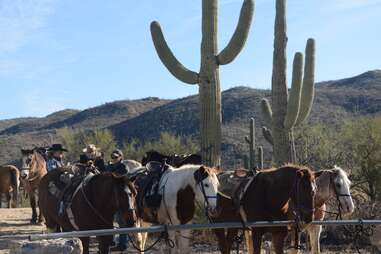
x,y
53,163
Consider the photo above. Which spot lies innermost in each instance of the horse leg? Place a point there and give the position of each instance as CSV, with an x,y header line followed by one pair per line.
x,y
32,201
183,240
8,196
85,244
249,241
104,243
294,242
221,238
257,241
231,234
278,240
314,232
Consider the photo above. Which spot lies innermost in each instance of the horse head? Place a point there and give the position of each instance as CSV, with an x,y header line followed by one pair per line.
x,y
206,188
304,194
33,160
125,194
341,189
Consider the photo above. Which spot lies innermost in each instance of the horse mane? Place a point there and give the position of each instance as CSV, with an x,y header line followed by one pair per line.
x,y
38,161
342,173
209,170
306,171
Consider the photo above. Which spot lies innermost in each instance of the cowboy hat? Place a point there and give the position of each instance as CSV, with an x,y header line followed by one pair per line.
x,y
57,148
90,149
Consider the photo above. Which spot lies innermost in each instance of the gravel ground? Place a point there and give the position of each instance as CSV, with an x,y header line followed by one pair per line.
x,y
14,224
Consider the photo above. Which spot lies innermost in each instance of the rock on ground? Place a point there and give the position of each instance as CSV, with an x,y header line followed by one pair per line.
x,y
56,246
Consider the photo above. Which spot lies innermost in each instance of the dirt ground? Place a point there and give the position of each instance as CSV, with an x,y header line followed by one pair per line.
x,y
14,224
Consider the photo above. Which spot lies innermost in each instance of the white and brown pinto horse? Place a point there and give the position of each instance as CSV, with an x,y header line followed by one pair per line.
x,y
331,184
183,189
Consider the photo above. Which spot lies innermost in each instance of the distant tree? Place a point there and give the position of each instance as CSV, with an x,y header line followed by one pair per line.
x,y
354,144
76,140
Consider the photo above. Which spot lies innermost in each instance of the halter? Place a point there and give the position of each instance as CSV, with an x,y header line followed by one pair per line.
x,y
206,197
338,195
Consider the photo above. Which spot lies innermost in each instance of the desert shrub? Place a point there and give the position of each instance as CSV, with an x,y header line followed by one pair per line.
x,y
76,140
167,144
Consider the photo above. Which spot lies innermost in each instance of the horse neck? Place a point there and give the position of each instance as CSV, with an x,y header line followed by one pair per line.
x,y
103,198
285,181
38,167
324,189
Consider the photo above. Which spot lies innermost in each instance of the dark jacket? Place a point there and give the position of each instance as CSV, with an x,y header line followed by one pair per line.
x,y
99,163
118,168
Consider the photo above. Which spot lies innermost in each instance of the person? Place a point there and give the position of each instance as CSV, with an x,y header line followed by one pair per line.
x,y
95,155
55,160
117,167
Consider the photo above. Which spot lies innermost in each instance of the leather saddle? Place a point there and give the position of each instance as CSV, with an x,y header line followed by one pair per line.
x,y
148,182
233,184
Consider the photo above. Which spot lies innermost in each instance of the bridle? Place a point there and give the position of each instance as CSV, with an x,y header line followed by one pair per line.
x,y
337,196
206,197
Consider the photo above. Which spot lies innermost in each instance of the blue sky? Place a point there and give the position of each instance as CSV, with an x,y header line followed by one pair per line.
x,y
57,54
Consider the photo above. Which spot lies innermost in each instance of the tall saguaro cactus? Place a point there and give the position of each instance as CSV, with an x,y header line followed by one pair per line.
x,y
288,110
208,76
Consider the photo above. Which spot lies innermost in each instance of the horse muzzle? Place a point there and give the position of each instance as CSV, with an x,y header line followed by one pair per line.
x,y
24,173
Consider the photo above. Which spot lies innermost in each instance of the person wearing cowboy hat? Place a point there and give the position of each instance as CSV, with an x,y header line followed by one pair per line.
x,y
117,167
94,155
56,152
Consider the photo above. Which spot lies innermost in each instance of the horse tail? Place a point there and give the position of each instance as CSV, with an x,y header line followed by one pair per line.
x,y
15,180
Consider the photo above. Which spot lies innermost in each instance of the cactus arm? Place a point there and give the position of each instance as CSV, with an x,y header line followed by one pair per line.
x,y
260,157
266,112
236,43
293,104
168,58
268,135
308,89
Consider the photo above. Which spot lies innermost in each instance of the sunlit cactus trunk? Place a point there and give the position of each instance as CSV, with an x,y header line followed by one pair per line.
x,y
287,110
208,76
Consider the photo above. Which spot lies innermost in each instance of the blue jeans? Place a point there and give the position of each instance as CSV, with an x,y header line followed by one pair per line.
x,y
121,222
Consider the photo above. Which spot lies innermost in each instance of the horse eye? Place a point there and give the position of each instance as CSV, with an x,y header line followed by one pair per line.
x,y
338,185
206,185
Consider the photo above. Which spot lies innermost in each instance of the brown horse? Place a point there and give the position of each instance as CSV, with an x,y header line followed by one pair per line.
x,y
276,195
33,169
93,205
9,184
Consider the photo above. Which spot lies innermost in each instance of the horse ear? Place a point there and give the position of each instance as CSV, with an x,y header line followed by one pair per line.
x,y
318,173
200,174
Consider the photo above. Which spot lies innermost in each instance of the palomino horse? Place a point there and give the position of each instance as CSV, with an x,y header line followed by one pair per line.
x,y
332,183
33,169
274,195
182,189
9,183
93,205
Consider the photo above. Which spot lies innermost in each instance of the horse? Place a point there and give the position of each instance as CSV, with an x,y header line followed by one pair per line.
x,y
275,195
93,205
174,160
9,184
32,171
181,190
331,183
132,165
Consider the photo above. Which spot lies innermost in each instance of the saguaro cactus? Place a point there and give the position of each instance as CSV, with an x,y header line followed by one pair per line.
x,y
287,111
208,76
250,140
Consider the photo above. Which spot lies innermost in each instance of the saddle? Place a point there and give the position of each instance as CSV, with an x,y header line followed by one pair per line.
x,y
65,187
147,182
233,184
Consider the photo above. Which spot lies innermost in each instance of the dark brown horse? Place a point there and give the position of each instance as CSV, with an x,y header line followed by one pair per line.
x,y
174,160
32,171
93,206
9,184
276,195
